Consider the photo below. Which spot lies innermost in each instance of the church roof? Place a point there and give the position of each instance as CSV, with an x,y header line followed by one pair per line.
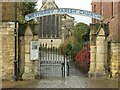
x,y
48,5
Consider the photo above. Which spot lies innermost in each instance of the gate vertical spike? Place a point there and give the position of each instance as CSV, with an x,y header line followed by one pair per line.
x,y
56,56
64,66
46,45
43,44
48,54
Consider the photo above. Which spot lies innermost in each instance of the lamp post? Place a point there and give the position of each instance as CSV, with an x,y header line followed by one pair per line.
x,y
15,42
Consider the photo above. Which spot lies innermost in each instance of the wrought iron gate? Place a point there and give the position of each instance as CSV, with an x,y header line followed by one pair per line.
x,y
52,63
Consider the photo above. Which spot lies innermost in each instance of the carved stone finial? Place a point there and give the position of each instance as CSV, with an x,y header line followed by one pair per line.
x,y
44,1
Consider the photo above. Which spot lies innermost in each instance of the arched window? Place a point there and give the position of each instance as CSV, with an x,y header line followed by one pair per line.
x,y
112,8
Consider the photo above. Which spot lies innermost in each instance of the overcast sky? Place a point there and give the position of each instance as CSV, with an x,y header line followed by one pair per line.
x,y
77,4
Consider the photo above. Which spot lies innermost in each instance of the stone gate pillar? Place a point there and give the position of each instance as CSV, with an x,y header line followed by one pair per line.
x,y
92,51
100,53
28,71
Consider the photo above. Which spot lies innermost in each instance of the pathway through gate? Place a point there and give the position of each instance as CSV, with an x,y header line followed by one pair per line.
x,y
53,64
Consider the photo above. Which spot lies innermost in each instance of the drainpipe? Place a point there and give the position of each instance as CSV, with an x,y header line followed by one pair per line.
x,y
15,42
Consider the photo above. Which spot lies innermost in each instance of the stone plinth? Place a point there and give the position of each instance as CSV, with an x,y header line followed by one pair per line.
x,y
29,71
37,69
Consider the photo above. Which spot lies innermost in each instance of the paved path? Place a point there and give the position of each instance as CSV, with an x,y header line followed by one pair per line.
x,y
79,80
76,79
69,82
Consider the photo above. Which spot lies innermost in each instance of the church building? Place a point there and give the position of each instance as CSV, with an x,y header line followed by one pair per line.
x,y
53,29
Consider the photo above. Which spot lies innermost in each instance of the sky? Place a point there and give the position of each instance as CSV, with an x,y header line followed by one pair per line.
x,y
76,4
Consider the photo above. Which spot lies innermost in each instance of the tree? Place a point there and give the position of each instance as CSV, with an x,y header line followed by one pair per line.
x,y
81,35
25,8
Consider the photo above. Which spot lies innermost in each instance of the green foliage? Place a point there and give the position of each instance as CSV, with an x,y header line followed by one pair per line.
x,y
68,50
81,32
81,35
25,8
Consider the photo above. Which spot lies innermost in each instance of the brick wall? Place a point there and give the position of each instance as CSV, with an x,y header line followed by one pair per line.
x,y
110,13
103,8
95,9
119,22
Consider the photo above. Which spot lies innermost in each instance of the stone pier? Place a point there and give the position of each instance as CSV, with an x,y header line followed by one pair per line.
x,y
92,51
31,68
28,69
100,53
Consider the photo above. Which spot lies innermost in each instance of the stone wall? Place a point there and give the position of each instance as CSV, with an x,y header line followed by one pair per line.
x,y
7,50
115,59
0,57
0,52
104,55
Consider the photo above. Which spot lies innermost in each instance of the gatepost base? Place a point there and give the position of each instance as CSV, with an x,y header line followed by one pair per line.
x,y
97,75
28,76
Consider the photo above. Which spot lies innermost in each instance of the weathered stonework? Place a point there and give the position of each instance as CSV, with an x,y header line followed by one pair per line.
x,y
92,51
28,74
31,68
115,59
104,55
0,55
92,60
98,52
7,50
0,49
21,62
